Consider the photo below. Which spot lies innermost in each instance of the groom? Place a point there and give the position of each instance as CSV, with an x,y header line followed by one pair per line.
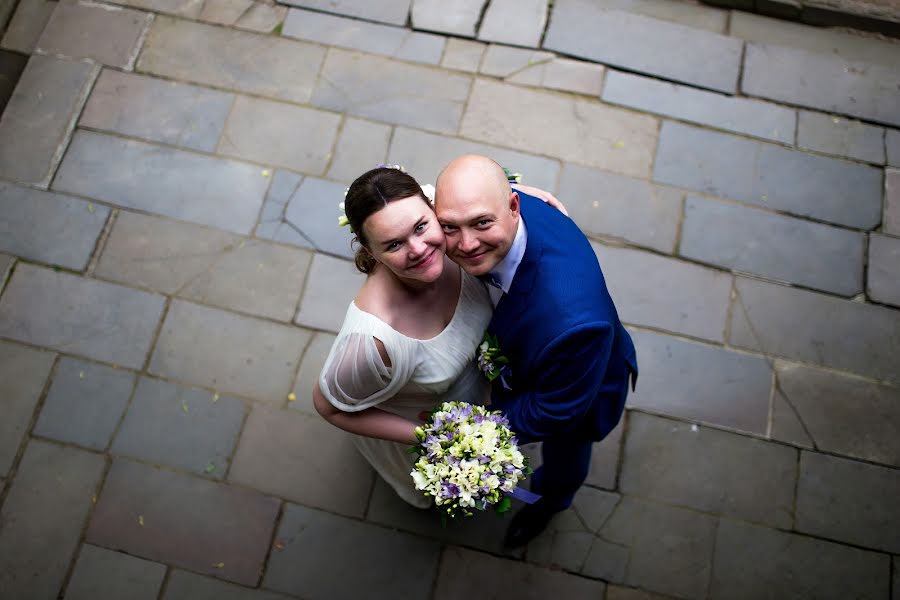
x,y
570,358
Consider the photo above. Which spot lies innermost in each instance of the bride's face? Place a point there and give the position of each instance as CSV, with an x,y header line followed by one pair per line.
x,y
406,238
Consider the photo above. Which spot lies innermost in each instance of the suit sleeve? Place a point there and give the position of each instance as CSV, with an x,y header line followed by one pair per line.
x,y
570,373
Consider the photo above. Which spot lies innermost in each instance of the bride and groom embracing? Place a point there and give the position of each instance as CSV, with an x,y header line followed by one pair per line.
x,y
486,257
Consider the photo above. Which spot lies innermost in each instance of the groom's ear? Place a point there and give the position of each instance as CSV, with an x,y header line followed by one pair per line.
x,y
514,203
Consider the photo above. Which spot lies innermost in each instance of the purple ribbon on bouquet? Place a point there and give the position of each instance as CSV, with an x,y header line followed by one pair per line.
x,y
526,496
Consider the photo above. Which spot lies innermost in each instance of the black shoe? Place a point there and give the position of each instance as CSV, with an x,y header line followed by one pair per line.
x,y
527,525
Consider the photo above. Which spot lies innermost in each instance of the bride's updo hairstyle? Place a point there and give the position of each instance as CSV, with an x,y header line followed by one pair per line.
x,y
371,192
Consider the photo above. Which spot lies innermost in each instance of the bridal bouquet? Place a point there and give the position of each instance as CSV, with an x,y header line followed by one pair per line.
x,y
468,459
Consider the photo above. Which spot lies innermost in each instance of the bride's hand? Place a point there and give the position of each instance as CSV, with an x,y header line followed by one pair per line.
x,y
542,195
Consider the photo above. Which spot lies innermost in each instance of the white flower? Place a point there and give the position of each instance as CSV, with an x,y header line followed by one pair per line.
x,y
428,190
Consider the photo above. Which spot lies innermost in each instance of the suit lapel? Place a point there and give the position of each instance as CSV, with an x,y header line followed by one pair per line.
x,y
511,305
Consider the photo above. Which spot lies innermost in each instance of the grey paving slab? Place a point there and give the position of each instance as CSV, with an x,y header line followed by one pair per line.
x,y
182,427
424,155
6,263
564,74
768,175
306,565
228,352
40,115
891,219
218,192
757,562
224,12
312,211
554,125
710,470
605,459
701,383
308,376
394,42
43,516
835,409
85,403
697,16
462,55
586,29
263,17
188,586
27,24
159,111
635,210
615,592
896,585
101,573
849,501
331,285
109,35
740,115
467,574
566,541
813,327
892,146
92,318
786,423
188,9
49,228
840,137
701,294
773,245
304,459
378,88
361,145
272,224
231,59
388,11
12,64
670,549
141,506
517,22
883,282
459,18
23,374
606,561
829,83
504,61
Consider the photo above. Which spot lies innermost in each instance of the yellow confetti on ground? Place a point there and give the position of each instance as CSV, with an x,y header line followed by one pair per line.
x,y
266,172
141,520
94,499
81,375
215,396
292,396
90,208
619,144
218,565
184,407
210,468
279,545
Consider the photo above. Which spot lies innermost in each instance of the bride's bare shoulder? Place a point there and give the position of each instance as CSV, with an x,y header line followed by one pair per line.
x,y
374,298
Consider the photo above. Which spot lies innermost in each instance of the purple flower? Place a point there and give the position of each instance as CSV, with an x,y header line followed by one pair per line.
x,y
450,490
483,459
478,418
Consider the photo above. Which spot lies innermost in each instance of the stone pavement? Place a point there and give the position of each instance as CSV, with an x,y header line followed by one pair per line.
x,y
171,279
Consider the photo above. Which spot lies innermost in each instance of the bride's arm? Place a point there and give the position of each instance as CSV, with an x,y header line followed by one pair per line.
x,y
371,422
541,195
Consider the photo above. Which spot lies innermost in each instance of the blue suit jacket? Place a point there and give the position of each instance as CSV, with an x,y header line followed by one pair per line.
x,y
570,356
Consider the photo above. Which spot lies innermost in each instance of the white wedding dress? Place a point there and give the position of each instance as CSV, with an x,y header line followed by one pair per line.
x,y
423,373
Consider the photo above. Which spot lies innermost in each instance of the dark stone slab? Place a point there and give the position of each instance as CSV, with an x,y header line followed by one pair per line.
x,y
389,11
773,245
849,501
768,175
43,516
85,403
318,547
884,269
331,285
892,146
840,137
360,146
702,383
308,375
27,24
184,521
605,459
755,562
566,542
312,212
11,66
614,592
101,573
188,586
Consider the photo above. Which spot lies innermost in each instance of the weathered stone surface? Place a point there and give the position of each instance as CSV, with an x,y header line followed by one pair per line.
x,y
27,24
188,9
563,74
701,383
211,191
263,17
182,427
388,11
614,592
85,403
424,155
306,566
505,61
272,221
188,586
40,115
849,501
159,111
231,59
565,543
769,175
891,222
140,507
884,269
459,18
697,16
312,212
50,228
605,459
606,561
23,372
607,204
394,42
106,34
361,146
840,137
812,327
517,22
773,245
101,573
786,423
892,145
740,115
757,562
6,263
224,12
701,294
554,125
463,55
304,459
308,376
331,285
468,574
12,64
385,90
638,43
829,83
42,518
81,316
228,352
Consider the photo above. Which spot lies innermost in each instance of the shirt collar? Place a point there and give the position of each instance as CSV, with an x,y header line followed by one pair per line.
x,y
505,270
